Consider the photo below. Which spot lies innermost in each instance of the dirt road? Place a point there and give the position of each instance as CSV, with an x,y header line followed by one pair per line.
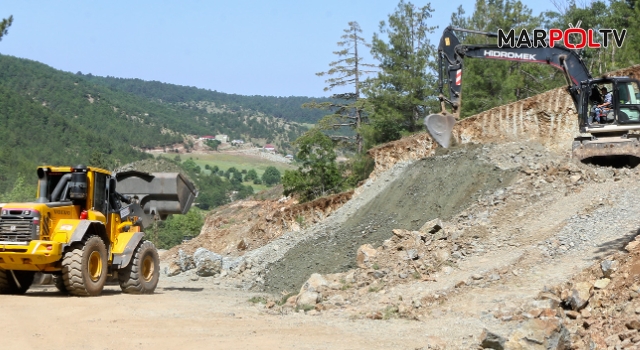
x,y
202,316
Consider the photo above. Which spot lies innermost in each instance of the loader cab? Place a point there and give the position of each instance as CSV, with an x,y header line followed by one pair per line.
x,y
82,186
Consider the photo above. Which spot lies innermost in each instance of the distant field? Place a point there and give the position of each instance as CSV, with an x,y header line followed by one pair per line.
x,y
225,161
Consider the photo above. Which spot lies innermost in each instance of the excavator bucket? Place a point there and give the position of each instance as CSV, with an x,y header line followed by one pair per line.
x,y
158,194
440,127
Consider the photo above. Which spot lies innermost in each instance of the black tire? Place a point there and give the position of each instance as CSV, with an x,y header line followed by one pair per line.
x,y
58,281
8,284
84,267
142,274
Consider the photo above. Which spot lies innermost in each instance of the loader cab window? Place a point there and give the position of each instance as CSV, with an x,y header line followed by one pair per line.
x,y
52,182
628,98
100,193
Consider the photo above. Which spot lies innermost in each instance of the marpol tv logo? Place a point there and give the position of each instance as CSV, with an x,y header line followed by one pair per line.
x,y
571,38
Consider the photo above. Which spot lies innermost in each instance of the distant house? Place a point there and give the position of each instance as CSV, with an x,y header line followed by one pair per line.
x,y
222,138
206,137
269,147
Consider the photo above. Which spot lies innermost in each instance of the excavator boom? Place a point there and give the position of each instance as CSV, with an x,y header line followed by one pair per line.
x,y
450,65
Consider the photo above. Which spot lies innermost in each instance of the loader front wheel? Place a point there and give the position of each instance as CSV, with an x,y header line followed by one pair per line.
x,y
8,283
142,274
84,267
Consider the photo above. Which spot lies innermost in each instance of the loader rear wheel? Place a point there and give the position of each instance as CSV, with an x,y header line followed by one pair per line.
x,y
142,274
8,283
84,267
58,281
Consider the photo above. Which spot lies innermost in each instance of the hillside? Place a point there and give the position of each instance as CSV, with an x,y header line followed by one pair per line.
x,y
51,116
288,108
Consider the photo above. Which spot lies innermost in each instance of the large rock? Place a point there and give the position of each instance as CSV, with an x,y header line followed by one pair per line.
x,y
490,340
601,283
432,226
553,299
233,263
579,295
608,267
207,263
441,255
401,233
308,298
185,261
173,269
314,283
549,334
365,255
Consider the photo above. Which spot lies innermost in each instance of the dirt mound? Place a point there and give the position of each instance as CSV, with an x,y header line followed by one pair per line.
x,y
434,187
244,225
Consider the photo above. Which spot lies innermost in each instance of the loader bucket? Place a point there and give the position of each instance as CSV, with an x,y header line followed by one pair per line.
x,y
158,193
440,127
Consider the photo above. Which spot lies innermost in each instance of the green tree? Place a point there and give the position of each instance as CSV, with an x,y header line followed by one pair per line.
x,y
618,14
98,159
251,175
213,144
20,192
350,108
318,174
404,91
237,177
191,166
271,176
172,231
4,26
491,83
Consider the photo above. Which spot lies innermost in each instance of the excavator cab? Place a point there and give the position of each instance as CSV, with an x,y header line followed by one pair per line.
x,y
624,111
628,99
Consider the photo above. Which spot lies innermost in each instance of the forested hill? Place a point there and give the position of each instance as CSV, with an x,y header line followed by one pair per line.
x,y
288,108
52,117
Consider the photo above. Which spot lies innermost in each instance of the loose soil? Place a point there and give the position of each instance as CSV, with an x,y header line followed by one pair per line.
x,y
430,188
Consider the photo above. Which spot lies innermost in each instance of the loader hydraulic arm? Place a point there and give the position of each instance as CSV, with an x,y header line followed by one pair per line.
x,y
451,54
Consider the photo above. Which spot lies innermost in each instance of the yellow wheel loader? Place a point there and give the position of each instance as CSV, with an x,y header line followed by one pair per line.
x,y
83,231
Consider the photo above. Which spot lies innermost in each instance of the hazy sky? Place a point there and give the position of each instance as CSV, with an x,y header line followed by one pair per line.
x,y
272,47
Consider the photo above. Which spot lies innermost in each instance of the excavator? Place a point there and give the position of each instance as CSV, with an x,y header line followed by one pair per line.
x,y
612,136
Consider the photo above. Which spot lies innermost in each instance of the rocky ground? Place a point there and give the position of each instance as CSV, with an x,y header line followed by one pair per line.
x,y
481,245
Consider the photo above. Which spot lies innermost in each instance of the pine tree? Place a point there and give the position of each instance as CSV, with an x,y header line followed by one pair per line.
x,y
349,108
489,83
404,90
4,26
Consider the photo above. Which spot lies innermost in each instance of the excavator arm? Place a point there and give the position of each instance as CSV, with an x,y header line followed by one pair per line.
x,y
451,54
